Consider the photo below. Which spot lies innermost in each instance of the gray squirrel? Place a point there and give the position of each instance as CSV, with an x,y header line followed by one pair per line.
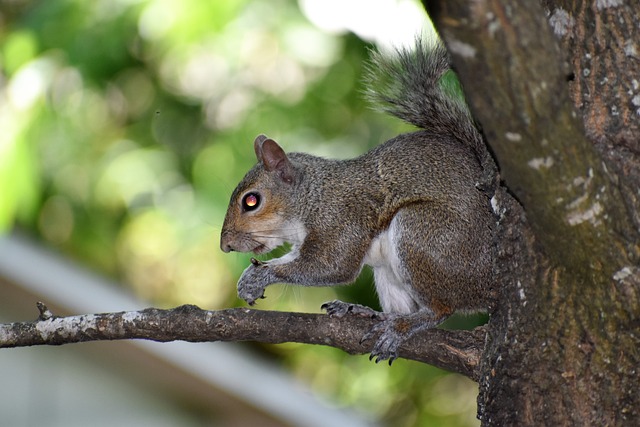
x,y
412,208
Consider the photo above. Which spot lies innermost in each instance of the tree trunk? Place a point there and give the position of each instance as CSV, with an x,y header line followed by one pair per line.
x,y
561,113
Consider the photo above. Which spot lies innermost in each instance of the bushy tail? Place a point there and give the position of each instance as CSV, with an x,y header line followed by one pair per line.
x,y
409,85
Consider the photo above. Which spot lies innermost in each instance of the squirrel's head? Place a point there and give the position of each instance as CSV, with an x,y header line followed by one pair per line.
x,y
257,218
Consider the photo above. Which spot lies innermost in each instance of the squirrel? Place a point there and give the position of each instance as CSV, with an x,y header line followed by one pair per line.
x,y
413,209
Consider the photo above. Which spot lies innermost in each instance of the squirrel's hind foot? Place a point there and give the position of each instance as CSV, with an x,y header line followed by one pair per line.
x,y
394,330
390,332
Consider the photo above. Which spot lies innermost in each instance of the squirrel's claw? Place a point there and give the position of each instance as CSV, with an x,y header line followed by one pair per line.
x,y
250,298
336,308
250,293
394,330
386,348
253,282
388,342
339,308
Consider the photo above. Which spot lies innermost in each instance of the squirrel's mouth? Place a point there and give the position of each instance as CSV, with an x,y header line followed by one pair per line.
x,y
260,249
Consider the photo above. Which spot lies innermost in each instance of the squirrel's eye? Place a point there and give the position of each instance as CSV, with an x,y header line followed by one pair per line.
x,y
251,201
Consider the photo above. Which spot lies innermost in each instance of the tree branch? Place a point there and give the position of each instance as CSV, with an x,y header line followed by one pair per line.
x,y
457,351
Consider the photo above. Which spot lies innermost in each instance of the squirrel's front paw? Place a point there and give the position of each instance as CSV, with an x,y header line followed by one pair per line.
x,y
253,281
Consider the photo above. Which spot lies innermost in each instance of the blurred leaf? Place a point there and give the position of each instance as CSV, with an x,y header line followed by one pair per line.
x,y
18,48
19,187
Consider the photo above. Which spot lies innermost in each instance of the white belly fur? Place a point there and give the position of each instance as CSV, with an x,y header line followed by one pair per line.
x,y
392,282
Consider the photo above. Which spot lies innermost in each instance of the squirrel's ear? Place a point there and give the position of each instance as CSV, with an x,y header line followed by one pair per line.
x,y
257,146
273,157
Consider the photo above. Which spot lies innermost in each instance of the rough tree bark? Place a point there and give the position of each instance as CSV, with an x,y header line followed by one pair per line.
x,y
561,113
556,89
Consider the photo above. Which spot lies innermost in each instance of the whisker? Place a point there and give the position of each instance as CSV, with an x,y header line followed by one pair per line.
x,y
272,230
273,236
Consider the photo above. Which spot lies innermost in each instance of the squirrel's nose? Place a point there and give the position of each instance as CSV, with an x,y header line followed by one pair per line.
x,y
224,243
225,246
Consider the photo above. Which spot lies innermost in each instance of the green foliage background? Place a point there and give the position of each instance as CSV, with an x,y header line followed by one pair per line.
x,y
126,124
